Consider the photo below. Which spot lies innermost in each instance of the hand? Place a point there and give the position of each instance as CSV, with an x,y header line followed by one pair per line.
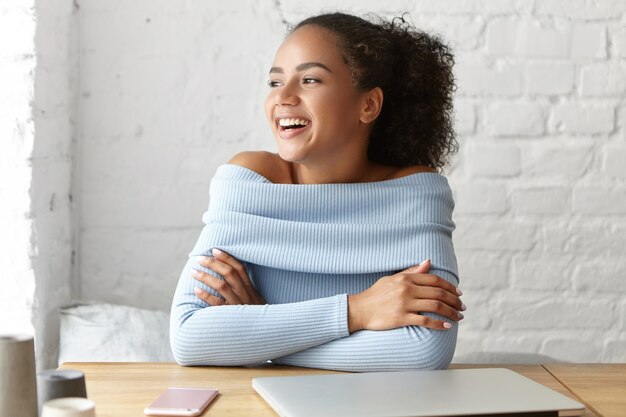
x,y
397,301
236,287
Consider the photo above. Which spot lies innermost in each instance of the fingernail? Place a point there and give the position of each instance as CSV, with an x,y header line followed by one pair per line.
x,y
461,316
413,268
200,259
216,252
197,290
447,325
463,307
458,291
195,272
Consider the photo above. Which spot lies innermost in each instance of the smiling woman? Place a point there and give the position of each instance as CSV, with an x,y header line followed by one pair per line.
x,y
311,81
336,252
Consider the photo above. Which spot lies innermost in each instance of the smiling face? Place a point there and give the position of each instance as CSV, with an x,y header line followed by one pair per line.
x,y
315,112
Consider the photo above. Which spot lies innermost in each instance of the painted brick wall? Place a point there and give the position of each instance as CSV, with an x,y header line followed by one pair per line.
x,y
37,68
55,114
171,90
17,64
541,200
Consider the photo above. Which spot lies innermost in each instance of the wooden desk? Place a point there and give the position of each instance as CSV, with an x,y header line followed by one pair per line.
x,y
124,389
601,387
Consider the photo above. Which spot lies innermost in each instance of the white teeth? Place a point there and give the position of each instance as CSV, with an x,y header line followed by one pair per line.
x,y
291,122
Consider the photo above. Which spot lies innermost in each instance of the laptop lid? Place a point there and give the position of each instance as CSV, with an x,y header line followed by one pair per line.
x,y
458,392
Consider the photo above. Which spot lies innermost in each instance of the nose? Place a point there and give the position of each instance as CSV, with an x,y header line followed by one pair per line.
x,y
286,95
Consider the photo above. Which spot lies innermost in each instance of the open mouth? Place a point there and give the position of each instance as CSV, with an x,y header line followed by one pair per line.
x,y
292,125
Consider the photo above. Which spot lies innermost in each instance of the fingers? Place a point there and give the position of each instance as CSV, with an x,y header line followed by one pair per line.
x,y
422,268
438,294
435,281
208,298
229,272
437,307
235,264
236,287
219,285
424,321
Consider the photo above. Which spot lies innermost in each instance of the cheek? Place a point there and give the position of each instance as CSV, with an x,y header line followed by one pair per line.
x,y
341,110
269,107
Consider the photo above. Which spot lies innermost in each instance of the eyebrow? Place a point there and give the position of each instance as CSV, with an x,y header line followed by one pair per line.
x,y
301,67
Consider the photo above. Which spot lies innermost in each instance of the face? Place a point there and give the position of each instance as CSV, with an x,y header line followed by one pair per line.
x,y
312,106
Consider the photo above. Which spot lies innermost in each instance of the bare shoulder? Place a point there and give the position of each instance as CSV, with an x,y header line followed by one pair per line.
x,y
264,163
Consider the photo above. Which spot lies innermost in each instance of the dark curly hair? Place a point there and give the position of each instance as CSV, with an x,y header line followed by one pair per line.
x,y
414,70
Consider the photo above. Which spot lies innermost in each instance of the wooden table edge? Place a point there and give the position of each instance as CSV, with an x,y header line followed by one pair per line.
x,y
536,369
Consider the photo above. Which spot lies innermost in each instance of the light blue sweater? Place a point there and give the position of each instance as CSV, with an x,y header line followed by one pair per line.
x,y
305,247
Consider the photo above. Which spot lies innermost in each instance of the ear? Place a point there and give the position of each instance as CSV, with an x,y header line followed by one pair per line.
x,y
372,105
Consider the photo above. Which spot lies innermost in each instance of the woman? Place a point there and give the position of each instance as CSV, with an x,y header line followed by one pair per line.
x,y
311,256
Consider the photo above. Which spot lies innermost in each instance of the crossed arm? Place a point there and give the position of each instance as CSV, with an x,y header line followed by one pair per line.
x,y
225,328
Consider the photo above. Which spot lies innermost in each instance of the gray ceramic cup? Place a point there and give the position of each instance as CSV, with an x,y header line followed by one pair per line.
x,y
18,391
62,383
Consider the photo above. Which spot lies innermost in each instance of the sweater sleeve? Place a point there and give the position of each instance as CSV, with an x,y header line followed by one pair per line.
x,y
404,348
311,333
248,334
321,230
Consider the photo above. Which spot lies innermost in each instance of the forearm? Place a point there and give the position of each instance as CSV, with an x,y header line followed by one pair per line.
x,y
390,350
249,334
411,347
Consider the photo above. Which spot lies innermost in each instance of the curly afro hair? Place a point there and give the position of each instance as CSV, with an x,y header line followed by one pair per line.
x,y
414,71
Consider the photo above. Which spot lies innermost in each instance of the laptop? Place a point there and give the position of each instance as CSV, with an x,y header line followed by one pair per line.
x,y
459,392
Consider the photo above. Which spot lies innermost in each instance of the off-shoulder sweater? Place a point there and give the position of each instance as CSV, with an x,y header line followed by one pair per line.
x,y
305,248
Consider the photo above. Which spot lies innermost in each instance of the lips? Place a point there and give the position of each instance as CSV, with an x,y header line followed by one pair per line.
x,y
290,126
291,122
291,132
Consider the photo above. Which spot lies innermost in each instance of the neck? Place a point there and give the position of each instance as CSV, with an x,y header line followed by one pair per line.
x,y
330,171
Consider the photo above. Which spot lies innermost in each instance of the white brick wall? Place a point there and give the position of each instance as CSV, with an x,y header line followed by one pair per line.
x,y
614,165
588,40
490,160
170,90
539,180
579,118
55,112
17,64
36,116
503,118
541,200
546,256
550,77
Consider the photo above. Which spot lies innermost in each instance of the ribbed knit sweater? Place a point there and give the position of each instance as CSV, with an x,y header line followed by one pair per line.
x,y
305,248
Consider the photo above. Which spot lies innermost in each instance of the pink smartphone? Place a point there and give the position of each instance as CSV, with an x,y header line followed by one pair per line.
x,y
181,402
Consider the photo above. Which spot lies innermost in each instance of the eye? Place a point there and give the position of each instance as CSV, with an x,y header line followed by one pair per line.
x,y
310,80
273,83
